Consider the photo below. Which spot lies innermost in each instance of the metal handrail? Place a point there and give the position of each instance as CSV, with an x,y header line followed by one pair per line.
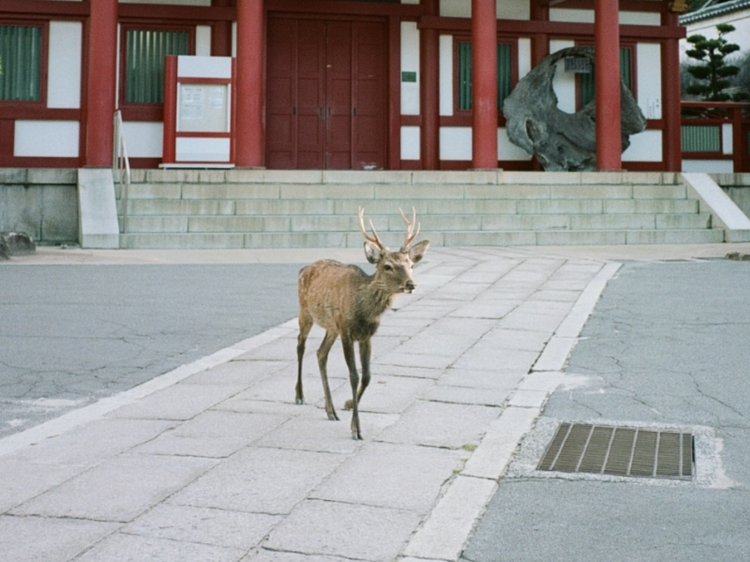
x,y
121,167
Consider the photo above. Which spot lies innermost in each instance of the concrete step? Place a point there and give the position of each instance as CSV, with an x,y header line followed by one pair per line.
x,y
432,223
389,207
267,208
457,238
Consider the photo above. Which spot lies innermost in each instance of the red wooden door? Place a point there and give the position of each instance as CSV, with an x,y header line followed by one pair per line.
x,y
326,94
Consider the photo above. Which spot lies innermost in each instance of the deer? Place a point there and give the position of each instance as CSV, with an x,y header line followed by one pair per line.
x,y
348,303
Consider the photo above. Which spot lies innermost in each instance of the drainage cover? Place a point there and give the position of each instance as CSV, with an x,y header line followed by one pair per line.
x,y
620,451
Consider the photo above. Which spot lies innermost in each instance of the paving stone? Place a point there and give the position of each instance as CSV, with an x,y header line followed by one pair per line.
x,y
486,355
237,372
131,548
218,527
178,402
119,489
465,395
260,480
495,379
213,434
313,431
324,528
391,475
263,555
438,424
386,394
47,539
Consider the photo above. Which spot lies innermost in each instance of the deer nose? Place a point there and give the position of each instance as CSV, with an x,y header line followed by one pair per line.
x,y
410,286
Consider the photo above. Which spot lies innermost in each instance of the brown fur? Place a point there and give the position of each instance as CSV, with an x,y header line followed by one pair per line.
x,y
348,303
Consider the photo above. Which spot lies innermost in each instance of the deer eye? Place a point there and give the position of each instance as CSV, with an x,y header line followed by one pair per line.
x,y
388,267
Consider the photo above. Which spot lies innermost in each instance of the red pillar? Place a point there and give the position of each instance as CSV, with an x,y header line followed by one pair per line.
x,y
221,33
670,86
539,41
608,119
249,123
429,53
100,84
484,69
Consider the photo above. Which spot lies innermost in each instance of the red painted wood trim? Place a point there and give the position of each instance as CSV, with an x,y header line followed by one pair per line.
x,y
625,5
554,28
250,58
100,84
196,15
393,101
170,109
429,102
39,7
671,108
484,84
607,86
345,8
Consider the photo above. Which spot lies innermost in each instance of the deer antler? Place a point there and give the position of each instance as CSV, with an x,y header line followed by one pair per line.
x,y
375,239
410,234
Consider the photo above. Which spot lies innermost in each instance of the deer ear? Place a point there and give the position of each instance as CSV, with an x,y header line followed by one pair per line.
x,y
417,252
372,252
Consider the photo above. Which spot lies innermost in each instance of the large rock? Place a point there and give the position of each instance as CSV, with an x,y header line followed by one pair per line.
x,y
16,244
561,141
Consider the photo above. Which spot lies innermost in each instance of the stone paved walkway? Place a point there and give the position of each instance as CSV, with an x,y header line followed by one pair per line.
x,y
214,462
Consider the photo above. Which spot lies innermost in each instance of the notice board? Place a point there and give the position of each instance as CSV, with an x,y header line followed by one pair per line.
x,y
198,111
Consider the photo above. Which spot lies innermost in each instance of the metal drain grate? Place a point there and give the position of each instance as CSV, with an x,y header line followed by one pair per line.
x,y
620,451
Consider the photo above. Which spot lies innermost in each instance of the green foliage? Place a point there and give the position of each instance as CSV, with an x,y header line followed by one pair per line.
x,y
712,75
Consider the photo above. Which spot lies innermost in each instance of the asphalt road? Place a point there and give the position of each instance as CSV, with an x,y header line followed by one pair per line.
x,y
73,334
666,346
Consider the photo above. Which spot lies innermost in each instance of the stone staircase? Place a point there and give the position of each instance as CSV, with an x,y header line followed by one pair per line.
x,y
287,209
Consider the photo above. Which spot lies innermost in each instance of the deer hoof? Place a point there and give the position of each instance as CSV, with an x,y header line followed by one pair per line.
x,y
357,436
333,417
299,401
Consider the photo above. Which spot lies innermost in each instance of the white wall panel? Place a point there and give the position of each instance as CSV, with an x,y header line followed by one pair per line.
x,y
446,75
410,143
648,60
455,143
202,150
64,77
46,138
203,40
143,139
644,147
410,63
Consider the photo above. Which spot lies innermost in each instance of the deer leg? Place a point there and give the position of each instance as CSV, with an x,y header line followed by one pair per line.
x,y
323,351
364,355
354,381
305,324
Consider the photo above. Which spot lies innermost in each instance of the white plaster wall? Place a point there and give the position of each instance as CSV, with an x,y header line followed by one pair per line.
x,y
410,143
202,150
455,8
143,139
506,9
648,77
568,15
46,138
446,74
726,138
64,76
524,57
410,63
644,147
455,143
506,150
708,166
203,40
564,83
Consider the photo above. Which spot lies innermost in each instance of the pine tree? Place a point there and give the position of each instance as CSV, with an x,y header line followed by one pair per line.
x,y
712,75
